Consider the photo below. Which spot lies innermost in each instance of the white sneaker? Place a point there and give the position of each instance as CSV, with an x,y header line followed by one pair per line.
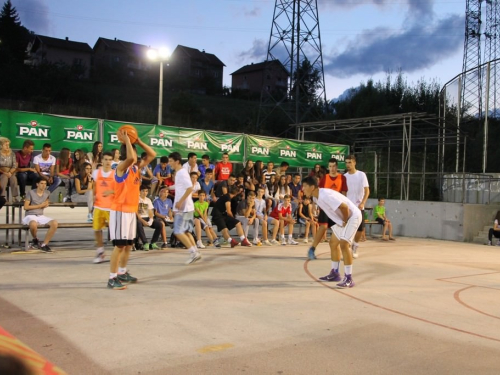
x,y
90,218
193,257
283,241
274,242
306,240
99,258
292,242
267,243
200,245
355,251
489,243
257,242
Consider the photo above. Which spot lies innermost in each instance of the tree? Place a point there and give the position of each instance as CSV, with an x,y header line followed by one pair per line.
x,y
14,36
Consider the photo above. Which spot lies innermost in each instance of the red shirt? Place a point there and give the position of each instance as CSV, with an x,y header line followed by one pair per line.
x,y
280,208
338,183
23,161
223,170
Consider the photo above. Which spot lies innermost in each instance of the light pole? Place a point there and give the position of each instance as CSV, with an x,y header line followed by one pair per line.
x,y
162,55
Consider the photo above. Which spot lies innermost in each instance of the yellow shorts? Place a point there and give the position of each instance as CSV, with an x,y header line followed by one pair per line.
x,y
101,219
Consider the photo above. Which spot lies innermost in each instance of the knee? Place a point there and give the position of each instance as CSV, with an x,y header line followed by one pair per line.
x,y
53,224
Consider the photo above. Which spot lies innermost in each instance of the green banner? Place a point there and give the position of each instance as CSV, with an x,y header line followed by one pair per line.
x,y
233,144
110,128
261,148
73,133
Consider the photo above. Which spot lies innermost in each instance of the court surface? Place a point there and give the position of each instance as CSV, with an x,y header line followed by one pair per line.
x,y
419,307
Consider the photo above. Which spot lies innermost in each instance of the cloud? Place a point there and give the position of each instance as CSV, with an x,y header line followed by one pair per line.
x,y
257,53
416,7
34,15
255,12
381,50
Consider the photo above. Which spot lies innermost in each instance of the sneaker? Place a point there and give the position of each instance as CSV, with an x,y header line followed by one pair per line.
x,y
332,276
246,243
90,218
200,245
194,257
45,248
354,251
99,258
66,199
234,243
145,247
347,282
498,243
306,240
267,243
126,278
115,284
217,244
274,242
164,246
310,253
139,246
256,243
34,244
154,246
291,241
283,241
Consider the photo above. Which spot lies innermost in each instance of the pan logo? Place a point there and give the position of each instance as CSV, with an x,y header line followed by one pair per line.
x,y
288,153
260,150
79,134
339,157
34,129
230,148
314,155
193,145
161,141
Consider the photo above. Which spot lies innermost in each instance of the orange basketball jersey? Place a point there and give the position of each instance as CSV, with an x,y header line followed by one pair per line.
x,y
127,191
103,184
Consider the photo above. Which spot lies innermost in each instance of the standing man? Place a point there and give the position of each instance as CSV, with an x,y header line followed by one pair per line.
x,y
335,181
224,168
183,207
45,166
358,193
190,165
104,182
346,217
122,217
25,172
34,204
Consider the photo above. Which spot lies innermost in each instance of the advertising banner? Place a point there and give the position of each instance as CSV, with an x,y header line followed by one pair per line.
x,y
261,148
233,144
110,128
73,133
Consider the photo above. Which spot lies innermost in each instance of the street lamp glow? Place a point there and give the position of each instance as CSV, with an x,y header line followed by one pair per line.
x,y
152,54
164,53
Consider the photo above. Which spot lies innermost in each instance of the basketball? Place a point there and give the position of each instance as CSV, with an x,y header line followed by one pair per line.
x,y
131,132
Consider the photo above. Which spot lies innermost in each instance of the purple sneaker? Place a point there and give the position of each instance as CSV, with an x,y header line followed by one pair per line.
x,y
348,282
333,276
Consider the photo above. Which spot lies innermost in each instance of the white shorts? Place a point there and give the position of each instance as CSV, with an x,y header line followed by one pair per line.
x,y
122,225
40,219
348,232
204,223
270,220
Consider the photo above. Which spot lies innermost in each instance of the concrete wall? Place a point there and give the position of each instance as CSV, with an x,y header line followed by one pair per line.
x,y
438,220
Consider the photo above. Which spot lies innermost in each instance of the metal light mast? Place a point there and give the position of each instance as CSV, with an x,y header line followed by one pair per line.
x,y
294,41
492,52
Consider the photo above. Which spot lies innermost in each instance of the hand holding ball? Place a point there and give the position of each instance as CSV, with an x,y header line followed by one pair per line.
x,y
130,131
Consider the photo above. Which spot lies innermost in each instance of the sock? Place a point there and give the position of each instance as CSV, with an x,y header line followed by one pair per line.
x,y
43,244
348,270
290,236
283,237
354,243
242,238
100,250
335,266
229,239
193,249
112,275
121,270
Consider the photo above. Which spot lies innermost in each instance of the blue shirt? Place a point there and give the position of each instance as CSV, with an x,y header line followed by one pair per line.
x,y
163,172
207,188
163,207
295,189
202,169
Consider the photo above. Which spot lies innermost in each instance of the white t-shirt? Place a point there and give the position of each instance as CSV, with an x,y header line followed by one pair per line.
x,y
356,184
330,200
44,164
188,168
145,204
182,183
196,187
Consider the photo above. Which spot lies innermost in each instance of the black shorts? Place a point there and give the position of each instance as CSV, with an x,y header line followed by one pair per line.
x,y
123,242
224,221
362,225
380,220
323,219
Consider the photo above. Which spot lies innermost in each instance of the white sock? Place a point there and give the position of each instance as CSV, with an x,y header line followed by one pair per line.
x,y
229,239
112,275
242,238
193,249
348,270
354,243
100,250
121,271
335,266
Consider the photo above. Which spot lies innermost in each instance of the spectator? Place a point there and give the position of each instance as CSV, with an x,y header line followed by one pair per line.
x,y
162,170
258,170
26,174
222,187
116,158
283,168
306,217
190,165
146,218
247,216
84,186
283,213
379,217
201,221
271,189
95,156
282,189
163,206
147,176
63,171
196,185
79,158
269,171
261,212
315,171
45,166
495,231
34,204
295,191
205,164
8,167
207,185
223,169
